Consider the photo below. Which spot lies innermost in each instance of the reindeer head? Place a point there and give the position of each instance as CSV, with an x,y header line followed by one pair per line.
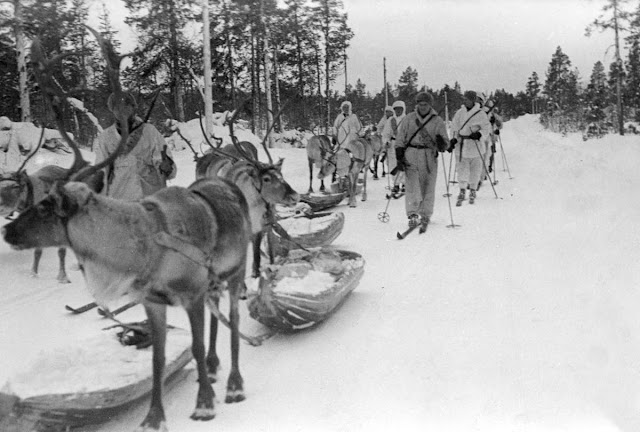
x,y
45,223
272,186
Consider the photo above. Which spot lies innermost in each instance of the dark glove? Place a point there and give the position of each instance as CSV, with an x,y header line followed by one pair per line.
x,y
497,132
492,120
475,135
333,141
452,144
166,166
493,148
441,143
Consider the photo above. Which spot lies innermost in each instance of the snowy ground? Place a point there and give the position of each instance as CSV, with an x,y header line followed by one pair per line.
x,y
522,319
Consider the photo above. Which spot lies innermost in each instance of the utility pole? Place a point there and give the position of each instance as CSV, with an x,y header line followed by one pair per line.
x,y
618,70
386,93
346,80
206,53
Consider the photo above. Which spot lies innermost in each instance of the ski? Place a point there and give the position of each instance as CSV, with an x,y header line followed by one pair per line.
x,y
402,235
395,196
116,311
81,309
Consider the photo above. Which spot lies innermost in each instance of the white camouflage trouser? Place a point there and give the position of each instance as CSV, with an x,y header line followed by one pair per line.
x,y
469,172
422,173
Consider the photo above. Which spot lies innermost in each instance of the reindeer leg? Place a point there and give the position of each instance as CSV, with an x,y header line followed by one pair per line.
x,y
310,176
235,387
257,242
351,188
155,419
364,187
62,274
213,362
37,254
322,188
205,407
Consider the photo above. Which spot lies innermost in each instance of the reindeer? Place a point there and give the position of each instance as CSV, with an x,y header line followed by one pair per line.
x,y
375,141
346,162
261,183
176,247
19,191
318,147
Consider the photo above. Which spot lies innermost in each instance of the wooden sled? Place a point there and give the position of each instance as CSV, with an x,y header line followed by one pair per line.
x,y
309,231
129,372
289,310
321,201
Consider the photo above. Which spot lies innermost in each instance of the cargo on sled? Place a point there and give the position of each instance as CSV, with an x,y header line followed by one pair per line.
x,y
304,288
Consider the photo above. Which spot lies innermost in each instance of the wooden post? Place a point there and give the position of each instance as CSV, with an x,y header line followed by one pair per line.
x,y
384,71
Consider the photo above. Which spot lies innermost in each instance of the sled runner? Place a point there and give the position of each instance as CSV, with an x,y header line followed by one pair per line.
x,y
309,231
87,383
305,288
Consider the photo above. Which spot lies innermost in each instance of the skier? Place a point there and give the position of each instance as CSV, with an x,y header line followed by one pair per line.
x,y
388,112
421,135
470,127
347,126
389,134
496,125
144,166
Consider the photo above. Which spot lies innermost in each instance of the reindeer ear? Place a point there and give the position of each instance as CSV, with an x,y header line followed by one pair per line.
x,y
278,165
64,205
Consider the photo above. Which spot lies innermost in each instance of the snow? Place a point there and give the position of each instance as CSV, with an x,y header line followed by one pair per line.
x,y
296,226
120,366
524,318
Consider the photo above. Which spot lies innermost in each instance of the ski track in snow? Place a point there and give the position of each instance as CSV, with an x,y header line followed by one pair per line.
x,y
522,319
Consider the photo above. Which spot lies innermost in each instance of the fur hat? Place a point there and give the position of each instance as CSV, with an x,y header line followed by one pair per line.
x,y
424,97
471,95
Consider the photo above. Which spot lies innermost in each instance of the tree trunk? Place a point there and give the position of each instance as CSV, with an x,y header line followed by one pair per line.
x,y
276,79
267,75
206,53
21,50
232,81
175,62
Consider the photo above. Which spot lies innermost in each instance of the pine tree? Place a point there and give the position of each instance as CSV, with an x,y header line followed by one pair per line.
x,y
616,22
408,85
160,25
533,90
562,94
596,99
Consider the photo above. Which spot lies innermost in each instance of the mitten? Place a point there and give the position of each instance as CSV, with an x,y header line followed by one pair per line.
x,y
475,135
441,143
497,132
452,144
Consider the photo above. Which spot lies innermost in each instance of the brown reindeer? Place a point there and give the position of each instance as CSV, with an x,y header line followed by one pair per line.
x,y
347,162
261,183
176,247
19,191
318,149
375,141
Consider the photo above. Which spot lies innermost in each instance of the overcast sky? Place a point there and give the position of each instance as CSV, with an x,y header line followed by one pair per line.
x,y
482,44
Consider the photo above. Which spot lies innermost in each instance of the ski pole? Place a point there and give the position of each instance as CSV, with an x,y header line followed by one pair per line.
x,y
484,165
448,195
504,156
446,181
384,216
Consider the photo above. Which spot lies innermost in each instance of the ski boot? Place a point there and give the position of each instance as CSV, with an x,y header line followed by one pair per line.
x,y
423,225
472,196
460,198
414,221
